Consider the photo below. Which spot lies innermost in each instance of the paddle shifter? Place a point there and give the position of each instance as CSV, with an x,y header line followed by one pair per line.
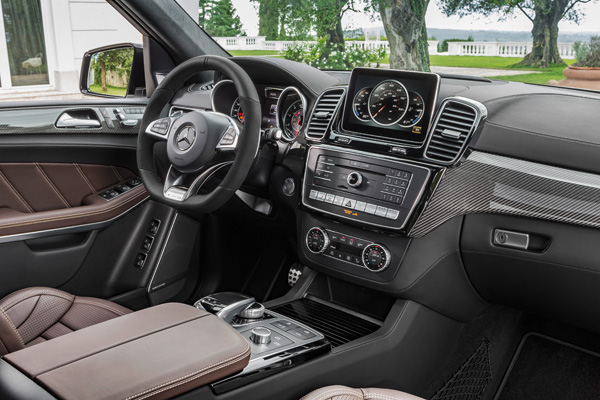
x,y
228,305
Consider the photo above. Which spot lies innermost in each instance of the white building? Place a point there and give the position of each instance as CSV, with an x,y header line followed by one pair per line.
x,y
45,41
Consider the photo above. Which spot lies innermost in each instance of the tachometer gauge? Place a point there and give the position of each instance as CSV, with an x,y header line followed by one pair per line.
x,y
236,111
360,106
293,120
415,112
388,103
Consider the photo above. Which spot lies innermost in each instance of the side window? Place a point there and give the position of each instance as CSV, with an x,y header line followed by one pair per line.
x,y
42,43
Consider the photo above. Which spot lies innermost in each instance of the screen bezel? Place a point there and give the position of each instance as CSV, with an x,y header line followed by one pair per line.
x,y
394,133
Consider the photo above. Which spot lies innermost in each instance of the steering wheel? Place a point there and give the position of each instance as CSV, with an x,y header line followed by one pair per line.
x,y
199,143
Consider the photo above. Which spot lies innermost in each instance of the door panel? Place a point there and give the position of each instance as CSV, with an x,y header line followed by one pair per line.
x,y
56,229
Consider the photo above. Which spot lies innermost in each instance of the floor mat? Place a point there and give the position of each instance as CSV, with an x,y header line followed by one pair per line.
x,y
471,380
545,368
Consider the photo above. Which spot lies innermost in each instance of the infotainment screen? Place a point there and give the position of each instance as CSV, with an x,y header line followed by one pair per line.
x,y
390,104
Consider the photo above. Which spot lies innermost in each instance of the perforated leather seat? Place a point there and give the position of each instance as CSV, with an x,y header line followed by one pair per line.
x,y
346,393
34,315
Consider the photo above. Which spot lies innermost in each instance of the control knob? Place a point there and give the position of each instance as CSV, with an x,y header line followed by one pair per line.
x,y
255,311
376,257
355,179
317,240
260,335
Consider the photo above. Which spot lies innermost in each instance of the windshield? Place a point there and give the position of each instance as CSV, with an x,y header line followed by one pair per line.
x,y
541,41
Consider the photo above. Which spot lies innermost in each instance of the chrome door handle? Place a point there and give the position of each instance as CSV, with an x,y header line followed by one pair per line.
x,y
67,121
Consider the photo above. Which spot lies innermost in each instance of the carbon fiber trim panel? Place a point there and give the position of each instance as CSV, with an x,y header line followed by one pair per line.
x,y
41,120
487,183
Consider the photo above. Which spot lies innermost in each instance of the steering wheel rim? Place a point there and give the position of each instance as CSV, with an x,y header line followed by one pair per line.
x,y
244,150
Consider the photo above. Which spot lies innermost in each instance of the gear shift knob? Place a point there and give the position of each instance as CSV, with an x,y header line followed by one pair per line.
x,y
225,305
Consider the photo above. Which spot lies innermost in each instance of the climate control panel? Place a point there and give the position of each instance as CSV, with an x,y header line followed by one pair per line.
x,y
363,253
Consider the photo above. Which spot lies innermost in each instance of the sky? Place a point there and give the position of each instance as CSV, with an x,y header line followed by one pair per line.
x,y
435,19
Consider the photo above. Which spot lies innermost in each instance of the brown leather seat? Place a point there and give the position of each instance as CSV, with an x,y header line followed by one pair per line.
x,y
346,393
34,315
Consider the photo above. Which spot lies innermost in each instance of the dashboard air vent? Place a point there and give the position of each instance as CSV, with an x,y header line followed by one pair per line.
x,y
455,124
323,113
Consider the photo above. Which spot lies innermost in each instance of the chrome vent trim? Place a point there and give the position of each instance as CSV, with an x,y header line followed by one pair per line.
x,y
323,113
454,125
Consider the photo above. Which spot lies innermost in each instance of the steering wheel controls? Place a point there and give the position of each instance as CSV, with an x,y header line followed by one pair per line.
x,y
159,127
229,139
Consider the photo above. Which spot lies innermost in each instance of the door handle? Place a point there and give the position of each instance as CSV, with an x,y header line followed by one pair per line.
x,y
66,120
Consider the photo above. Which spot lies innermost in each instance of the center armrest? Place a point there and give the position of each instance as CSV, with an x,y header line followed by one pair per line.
x,y
157,353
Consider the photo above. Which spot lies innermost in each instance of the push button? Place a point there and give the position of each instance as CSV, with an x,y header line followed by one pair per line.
x,y
153,227
284,325
301,333
140,260
147,243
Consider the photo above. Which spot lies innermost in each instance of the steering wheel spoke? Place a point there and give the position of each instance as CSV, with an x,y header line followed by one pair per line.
x,y
161,128
199,143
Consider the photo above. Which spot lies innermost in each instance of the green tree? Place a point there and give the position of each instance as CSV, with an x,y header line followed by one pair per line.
x,y
329,14
113,60
268,18
223,20
204,9
404,24
544,14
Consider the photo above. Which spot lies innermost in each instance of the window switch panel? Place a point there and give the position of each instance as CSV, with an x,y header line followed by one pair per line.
x,y
140,260
147,243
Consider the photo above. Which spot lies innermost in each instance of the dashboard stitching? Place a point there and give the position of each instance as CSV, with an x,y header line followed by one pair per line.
x,y
573,267
542,134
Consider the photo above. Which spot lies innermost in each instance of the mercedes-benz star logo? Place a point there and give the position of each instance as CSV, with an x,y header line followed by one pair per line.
x,y
186,138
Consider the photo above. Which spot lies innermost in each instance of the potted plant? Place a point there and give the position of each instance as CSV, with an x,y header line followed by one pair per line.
x,y
585,73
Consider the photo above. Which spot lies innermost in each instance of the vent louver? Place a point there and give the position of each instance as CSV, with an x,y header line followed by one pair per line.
x,y
454,126
323,113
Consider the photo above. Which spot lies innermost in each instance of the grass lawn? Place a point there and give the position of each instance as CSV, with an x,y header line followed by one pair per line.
x,y
508,63
110,90
255,53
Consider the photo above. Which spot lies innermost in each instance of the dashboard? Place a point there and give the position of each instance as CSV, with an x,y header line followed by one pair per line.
x,y
282,107
440,189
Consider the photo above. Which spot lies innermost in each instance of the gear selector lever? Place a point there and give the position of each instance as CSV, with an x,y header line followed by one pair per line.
x,y
225,305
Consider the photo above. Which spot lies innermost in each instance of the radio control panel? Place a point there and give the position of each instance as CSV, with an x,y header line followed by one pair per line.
x,y
356,186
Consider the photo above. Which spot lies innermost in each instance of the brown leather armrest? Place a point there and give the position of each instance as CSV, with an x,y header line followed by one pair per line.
x,y
94,209
157,353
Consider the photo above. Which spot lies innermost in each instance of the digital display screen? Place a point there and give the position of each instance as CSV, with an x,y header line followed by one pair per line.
x,y
269,119
391,104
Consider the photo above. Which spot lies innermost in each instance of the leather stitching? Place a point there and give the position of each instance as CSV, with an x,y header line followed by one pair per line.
x,y
85,178
72,216
28,294
116,171
335,392
201,372
4,347
91,303
60,196
383,397
12,326
5,179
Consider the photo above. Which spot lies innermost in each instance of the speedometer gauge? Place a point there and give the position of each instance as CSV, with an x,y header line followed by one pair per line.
x,y
293,120
360,106
415,112
388,103
236,110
